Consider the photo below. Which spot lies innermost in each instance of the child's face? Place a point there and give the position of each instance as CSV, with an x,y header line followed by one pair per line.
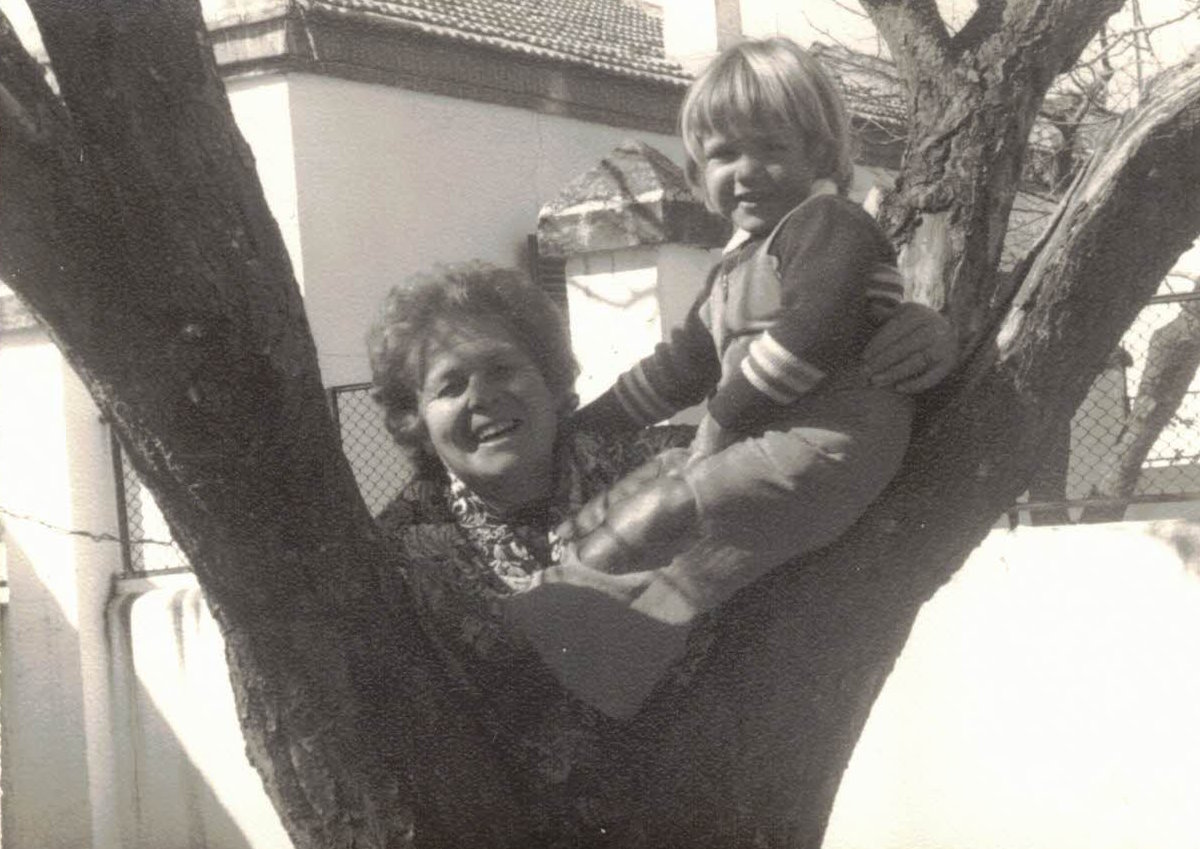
x,y
755,177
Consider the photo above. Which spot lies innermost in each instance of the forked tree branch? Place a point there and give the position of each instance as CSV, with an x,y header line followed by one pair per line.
x,y
984,22
914,31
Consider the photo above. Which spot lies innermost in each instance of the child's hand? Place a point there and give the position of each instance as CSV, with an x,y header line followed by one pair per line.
x,y
913,351
711,438
642,531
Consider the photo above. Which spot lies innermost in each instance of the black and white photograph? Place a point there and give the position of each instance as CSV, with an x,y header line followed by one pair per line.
x,y
599,424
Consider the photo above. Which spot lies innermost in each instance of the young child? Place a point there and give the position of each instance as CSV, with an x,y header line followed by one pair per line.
x,y
795,442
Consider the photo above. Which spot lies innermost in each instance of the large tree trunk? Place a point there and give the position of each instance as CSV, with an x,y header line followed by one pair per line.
x,y
131,221
133,224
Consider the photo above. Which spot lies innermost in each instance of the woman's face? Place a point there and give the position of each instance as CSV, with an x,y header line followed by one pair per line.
x,y
490,416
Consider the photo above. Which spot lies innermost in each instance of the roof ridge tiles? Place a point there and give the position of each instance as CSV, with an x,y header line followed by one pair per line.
x,y
611,35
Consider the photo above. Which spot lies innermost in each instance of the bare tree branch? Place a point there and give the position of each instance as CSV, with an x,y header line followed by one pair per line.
x,y
914,31
846,7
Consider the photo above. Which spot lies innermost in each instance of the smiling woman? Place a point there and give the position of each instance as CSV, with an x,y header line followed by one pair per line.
x,y
474,371
488,411
422,330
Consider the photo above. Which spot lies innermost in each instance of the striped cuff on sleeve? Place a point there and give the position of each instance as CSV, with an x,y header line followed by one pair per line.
x,y
640,399
885,285
778,373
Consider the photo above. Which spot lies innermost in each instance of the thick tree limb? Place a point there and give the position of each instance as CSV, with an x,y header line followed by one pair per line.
x,y
136,229
971,113
1051,34
811,646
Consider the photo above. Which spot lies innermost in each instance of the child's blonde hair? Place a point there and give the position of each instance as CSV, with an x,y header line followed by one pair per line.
x,y
770,83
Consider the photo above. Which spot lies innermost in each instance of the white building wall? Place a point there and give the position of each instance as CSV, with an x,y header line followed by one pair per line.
x,y
621,303
54,467
390,182
613,306
262,108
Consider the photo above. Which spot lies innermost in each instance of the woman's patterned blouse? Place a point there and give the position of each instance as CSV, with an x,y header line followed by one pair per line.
x,y
459,558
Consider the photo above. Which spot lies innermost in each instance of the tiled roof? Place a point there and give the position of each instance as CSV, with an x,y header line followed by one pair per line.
x,y
613,35
869,84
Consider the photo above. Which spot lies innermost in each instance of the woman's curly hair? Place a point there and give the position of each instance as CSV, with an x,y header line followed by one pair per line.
x,y
453,293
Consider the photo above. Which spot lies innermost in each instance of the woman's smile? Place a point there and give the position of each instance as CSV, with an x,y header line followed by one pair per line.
x,y
490,415
495,431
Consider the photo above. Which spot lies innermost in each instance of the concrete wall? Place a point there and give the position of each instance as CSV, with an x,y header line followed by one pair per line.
x,y
389,182
183,778
54,467
1045,700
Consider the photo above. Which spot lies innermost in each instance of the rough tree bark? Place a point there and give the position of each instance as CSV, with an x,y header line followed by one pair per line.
x,y
132,223
973,98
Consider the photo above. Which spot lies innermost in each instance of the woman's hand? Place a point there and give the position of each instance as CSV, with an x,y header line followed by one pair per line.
x,y
913,351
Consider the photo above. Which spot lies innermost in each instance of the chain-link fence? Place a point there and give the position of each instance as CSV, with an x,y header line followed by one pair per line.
x,y
1135,436
378,465
379,468
1083,469
146,542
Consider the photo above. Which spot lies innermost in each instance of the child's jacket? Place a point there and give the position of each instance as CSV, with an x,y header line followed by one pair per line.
x,y
774,343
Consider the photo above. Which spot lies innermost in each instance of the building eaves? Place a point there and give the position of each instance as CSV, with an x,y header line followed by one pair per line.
x,y
605,35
